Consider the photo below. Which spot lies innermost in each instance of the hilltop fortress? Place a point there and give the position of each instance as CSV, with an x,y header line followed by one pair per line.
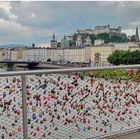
x,y
100,29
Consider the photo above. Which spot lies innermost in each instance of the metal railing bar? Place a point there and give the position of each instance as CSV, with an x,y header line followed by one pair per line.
x,y
24,107
32,72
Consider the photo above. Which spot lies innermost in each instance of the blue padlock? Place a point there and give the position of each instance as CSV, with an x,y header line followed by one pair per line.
x,y
4,94
33,116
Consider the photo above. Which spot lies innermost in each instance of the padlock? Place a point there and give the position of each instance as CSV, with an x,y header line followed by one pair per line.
x,y
2,136
32,126
44,119
19,129
10,134
41,121
33,116
37,129
34,109
13,124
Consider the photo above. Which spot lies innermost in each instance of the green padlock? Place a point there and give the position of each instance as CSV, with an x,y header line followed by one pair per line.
x,y
78,109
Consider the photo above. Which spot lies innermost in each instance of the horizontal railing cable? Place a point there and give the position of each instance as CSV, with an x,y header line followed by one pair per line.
x,y
32,72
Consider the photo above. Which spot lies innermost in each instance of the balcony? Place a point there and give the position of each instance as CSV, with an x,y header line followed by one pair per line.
x,y
69,103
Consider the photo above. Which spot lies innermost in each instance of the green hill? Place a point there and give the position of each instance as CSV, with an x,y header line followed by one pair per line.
x,y
107,37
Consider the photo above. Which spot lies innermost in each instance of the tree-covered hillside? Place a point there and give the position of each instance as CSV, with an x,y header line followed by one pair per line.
x,y
107,37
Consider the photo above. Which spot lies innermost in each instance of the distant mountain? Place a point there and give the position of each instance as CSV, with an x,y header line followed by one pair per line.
x,y
14,46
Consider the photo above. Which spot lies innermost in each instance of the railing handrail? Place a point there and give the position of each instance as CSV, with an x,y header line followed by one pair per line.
x,y
32,72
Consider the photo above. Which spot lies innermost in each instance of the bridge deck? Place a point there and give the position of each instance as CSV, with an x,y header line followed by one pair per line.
x,y
135,135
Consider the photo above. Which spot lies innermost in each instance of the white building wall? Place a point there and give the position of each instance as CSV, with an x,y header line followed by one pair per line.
x,y
6,54
59,54
98,42
38,54
66,54
125,46
51,53
75,55
85,31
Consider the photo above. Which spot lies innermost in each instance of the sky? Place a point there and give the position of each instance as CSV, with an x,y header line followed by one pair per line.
x,y
25,22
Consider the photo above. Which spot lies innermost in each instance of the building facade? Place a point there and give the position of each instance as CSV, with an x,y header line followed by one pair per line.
x,y
1,54
98,54
34,54
75,54
16,54
69,37
72,54
98,42
132,46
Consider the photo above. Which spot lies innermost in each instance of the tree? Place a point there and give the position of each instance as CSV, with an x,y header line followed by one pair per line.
x,y
132,38
116,39
71,43
103,36
93,38
116,57
134,58
124,57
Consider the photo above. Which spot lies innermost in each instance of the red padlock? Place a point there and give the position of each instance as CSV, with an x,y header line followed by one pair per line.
x,y
19,129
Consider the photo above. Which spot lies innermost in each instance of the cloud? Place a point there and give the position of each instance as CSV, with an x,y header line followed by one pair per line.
x,y
33,15
34,21
129,31
44,45
136,22
11,31
6,7
13,28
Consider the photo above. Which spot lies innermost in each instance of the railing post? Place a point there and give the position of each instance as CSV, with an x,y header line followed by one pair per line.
x,y
24,107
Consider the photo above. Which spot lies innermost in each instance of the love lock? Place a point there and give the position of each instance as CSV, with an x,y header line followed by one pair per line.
x,y
15,121
10,134
13,124
29,121
34,109
2,136
19,129
32,126
34,116
1,104
4,95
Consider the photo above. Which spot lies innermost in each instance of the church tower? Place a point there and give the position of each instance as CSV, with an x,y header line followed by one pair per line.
x,y
53,36
53,42
137,34
33,45
79,40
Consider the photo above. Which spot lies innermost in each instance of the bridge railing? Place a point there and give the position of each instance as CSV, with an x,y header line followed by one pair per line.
x,y
70,103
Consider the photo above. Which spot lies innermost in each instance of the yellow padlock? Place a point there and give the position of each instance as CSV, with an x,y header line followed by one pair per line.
x,y
34,109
